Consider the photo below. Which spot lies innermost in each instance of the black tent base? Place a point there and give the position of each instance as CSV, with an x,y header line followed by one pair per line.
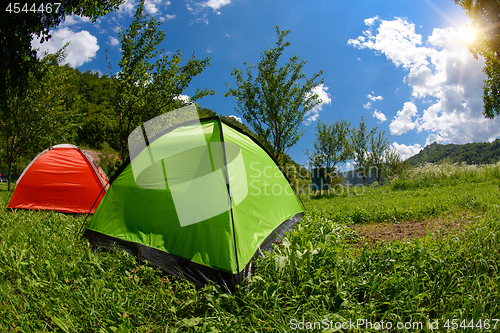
x,y
198,274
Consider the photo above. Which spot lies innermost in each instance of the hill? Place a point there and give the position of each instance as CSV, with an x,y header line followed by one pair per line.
x,y
469,153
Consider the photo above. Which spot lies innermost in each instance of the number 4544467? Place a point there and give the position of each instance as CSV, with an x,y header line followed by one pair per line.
x,y
16,7
464,324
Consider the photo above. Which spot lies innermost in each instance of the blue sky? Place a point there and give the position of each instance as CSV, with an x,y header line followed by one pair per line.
x,y
400,63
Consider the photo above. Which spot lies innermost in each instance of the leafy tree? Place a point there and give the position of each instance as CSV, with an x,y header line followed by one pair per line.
x,y
360,138
299,176
275,101
379,144
485,21
36,120
19,61
93,106
394,166
314,159
98,126
332,145
109,161
147,89
205,112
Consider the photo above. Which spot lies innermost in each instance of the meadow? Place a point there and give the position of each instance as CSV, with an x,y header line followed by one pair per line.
x,y
331,273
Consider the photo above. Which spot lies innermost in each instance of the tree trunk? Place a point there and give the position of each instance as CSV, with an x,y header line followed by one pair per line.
x,y
329,180
8,176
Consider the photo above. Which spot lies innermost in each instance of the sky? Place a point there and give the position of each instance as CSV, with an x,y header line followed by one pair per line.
x,y
402,64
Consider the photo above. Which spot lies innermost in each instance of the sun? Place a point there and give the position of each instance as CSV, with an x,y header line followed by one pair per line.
x,y
468,34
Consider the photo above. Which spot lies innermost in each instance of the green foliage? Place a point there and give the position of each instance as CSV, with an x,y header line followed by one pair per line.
x,y
19,60
98,127
359,140
379,145
275,101
205,112
149,84
33,89
36,119
300,178
331,146
470,153
109,160
93,109
238,124
394,166
484,16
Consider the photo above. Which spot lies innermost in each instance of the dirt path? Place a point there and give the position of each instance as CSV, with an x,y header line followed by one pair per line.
x,y
372,233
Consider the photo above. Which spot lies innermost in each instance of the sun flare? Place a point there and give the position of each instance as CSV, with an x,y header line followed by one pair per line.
x,y
467,34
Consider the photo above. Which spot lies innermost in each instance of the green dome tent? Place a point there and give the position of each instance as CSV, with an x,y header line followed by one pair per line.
x,y
200,200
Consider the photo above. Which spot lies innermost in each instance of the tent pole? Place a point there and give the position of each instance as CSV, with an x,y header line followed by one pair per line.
x,y
230,198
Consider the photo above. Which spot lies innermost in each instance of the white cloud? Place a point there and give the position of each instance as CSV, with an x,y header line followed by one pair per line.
x,y
396,39
348,166
374,98
406,151
201,6
403,121
152,7
113,41
313,115
74,20
370,21
379,115
216,4
236,118
127,8
82,49
209,50
442,74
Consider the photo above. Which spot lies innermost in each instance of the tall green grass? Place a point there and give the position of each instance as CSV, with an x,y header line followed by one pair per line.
x,y
383,204
430,175
51,280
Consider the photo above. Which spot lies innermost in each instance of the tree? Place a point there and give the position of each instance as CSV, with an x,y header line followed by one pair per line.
x,y
485,22
332,144
94,108
275,101
147,89
360,148
205,112
314,159
394,166
19,27
379,143
38,118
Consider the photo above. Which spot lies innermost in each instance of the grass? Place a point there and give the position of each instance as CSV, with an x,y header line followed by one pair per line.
x,y
51,280
383,204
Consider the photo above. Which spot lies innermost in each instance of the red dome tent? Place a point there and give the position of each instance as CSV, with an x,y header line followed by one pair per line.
x,y
62,178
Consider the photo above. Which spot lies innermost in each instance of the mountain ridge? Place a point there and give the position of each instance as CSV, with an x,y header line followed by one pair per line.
x,y
469,153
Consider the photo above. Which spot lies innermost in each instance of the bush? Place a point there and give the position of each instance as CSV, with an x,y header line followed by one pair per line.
x,y
109,159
